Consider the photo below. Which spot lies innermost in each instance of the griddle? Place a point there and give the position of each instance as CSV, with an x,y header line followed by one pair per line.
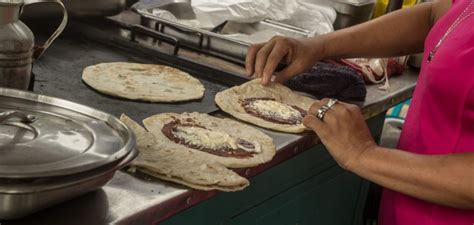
x,y
59,74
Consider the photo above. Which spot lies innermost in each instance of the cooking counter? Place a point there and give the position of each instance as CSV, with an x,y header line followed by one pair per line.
x,y
300,185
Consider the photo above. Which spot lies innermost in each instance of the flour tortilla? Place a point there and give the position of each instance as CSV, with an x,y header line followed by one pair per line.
x,y
229,101
235,129
178,164
147,82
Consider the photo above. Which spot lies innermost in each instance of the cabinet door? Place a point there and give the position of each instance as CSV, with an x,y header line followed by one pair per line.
x,y
330,198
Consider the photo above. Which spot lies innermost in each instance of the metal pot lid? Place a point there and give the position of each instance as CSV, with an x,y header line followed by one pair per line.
x,y
41,136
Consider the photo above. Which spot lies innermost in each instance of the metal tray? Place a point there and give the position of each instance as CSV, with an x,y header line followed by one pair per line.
x,y
216,42
350,13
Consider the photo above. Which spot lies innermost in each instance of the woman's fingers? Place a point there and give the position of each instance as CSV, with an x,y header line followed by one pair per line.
x,y
261,58
313,123
317,105
276,55
329,119
313,109
250,58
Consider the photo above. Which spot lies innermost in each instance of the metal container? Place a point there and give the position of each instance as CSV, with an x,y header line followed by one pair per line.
x,y
22,198
415,60
350,13
17,42
77,8
216,42
52,150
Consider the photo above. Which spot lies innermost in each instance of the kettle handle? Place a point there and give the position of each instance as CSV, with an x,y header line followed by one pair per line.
x,y
38,51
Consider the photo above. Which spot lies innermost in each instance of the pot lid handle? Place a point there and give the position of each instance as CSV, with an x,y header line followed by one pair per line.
x,y
25,118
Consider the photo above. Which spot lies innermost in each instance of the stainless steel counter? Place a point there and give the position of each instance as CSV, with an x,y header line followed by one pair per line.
x,y
128,199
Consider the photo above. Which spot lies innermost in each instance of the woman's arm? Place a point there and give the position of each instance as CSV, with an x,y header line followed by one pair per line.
x,y
443,179
398,33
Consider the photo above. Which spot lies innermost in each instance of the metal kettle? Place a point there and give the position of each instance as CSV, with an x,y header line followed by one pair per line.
x,y
17,48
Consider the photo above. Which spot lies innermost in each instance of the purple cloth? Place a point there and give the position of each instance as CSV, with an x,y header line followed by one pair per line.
x,y
327,80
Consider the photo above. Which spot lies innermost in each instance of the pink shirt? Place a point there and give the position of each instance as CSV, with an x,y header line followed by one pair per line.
x,y
440,119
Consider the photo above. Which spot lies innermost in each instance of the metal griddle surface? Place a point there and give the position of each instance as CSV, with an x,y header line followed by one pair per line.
x,y
59,73
126,198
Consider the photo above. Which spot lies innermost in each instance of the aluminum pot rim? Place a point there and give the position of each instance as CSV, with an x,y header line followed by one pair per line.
x,y
59,183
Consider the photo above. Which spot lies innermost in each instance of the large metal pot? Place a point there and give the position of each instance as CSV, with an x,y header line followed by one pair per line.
x,y
52,150
24,197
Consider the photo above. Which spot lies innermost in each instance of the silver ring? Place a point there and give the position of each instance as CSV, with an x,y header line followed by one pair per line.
x,y
321,112
332,102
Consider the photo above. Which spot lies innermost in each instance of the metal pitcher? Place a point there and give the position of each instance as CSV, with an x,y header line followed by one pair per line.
x,y
17,48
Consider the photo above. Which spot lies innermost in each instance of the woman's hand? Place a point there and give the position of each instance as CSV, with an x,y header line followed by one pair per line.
x,y
343,131
298,54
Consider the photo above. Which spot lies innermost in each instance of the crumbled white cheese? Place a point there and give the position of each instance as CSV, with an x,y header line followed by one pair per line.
x,y
274,108
211,139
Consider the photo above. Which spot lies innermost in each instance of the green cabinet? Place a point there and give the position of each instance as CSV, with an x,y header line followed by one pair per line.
x,y
331,197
